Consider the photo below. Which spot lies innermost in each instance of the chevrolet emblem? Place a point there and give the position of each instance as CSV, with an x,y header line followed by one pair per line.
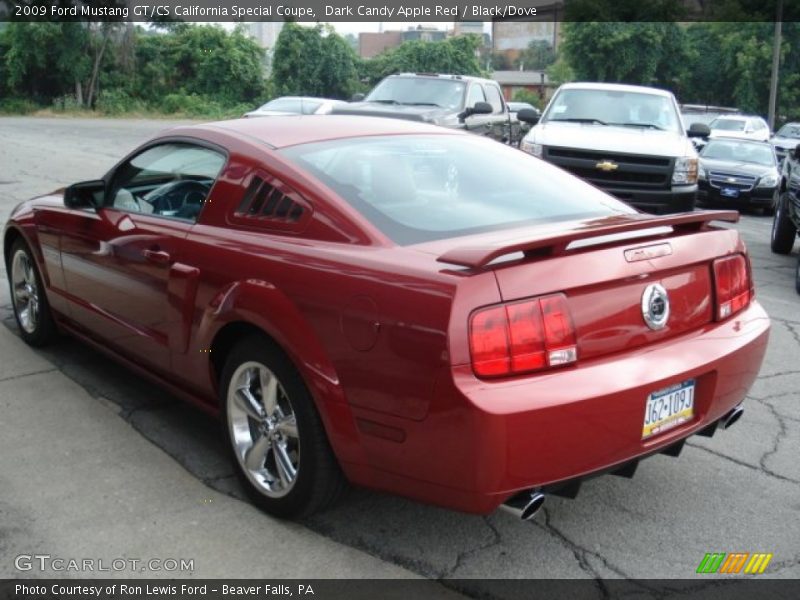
x,y
607,165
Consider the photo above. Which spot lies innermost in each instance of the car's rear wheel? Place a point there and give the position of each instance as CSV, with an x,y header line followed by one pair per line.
x,y
278,443
783,230
28,297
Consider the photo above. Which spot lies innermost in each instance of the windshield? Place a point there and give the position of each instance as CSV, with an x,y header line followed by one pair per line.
x,y
446,93
758,154
610,107
420,188
728,124
790,131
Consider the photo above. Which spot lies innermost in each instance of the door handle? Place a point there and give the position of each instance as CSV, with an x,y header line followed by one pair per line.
x,y
158,257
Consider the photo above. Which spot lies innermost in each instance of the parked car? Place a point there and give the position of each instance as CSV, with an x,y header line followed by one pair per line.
x,y
786,140
397,305
454,101
520,128
627,140
295,105
703,114
740,126
738,173
786,218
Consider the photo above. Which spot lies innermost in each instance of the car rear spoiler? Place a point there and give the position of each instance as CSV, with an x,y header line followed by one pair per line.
x,y
556,242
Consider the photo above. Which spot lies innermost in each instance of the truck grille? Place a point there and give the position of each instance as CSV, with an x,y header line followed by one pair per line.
x,y
632,171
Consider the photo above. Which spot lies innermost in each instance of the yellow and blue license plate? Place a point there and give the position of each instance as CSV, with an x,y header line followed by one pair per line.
x,y
668,408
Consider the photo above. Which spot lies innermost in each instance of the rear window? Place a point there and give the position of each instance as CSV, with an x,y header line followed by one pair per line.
x,y
421,188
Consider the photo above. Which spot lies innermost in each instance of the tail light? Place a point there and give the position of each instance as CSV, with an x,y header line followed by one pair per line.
x,y
732,284
521,337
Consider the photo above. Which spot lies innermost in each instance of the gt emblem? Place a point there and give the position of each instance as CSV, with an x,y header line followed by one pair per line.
x,y
607,165
655,306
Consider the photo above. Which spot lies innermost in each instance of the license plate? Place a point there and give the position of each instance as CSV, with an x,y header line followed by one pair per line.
x,y
729,192
668,408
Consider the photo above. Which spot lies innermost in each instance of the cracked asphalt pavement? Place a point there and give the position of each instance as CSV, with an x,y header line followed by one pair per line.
x,y
736,492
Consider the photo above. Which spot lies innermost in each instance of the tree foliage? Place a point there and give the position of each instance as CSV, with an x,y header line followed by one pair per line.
x,y
641,53
536,57
455,55
313,61
83,64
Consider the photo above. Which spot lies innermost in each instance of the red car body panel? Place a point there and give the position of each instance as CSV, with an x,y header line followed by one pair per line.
x,y
379,332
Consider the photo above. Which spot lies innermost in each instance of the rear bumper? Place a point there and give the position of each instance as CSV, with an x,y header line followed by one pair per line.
x,y
679,199
491,440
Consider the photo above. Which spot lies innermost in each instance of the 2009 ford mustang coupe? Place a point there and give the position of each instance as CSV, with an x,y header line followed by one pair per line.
x,y
396,305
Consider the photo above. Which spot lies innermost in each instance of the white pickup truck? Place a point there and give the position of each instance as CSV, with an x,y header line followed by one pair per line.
x,y
627,140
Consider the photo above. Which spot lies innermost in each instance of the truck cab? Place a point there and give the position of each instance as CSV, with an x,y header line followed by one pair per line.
x,y
454,101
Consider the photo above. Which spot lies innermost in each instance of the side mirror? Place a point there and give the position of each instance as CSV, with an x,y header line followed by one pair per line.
x,y
479,108
699,130
528,115
86,194
357,97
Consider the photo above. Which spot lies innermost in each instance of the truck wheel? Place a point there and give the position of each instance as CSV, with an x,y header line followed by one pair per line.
x,y
783,230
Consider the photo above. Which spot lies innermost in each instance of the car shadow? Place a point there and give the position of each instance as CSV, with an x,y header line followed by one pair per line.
x,y
424,539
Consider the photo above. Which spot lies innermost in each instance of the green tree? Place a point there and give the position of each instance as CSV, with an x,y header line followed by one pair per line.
x,y
529,97
313,61
537,56
455,55
638,53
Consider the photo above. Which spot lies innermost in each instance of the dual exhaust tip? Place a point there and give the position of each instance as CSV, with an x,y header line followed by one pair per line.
x,y
732,417
526,504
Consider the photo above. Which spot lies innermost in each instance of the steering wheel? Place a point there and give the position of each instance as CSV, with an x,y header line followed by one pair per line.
x,y
173,196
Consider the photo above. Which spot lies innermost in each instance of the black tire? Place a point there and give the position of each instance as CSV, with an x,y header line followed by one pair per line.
x,y
783,230
797,276
319,480
39,329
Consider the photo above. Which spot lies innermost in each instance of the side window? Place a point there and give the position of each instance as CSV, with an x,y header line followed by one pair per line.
x,y
475,95
170,180
494,98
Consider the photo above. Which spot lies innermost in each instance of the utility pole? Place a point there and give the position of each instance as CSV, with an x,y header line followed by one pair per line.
x,y
776,61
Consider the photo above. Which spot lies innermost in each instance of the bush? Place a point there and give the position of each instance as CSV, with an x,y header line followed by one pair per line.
x,y
195,105
17,106
529,97
117,102
66,103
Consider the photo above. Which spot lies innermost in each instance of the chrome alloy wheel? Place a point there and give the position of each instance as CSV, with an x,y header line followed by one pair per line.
x,y
25,291
263,429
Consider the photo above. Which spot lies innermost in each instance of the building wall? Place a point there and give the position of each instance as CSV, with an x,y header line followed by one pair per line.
x,y
265,32
514,36
372,44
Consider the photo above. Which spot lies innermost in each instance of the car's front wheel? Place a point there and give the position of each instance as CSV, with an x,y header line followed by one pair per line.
x,y
278,443
783,230
31,309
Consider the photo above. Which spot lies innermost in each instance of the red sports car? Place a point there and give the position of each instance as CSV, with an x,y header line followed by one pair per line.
x,y
396,305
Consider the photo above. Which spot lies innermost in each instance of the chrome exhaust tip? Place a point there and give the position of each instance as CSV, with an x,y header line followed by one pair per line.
x,y
525,505
732,417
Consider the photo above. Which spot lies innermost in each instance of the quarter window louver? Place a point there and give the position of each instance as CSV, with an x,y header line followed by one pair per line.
x,y
264,202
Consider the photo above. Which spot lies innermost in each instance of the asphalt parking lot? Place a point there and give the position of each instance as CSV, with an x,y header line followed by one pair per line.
x,y
736,492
